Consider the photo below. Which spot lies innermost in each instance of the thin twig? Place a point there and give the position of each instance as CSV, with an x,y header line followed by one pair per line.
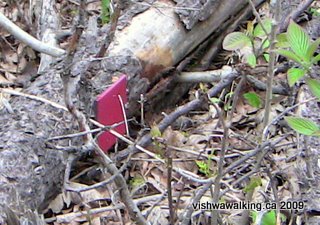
x,y
276,119
294,14
71,216
236,96
275,9
191,176
70,83
124,115
275,192
263,147
238,181
101,126
206,76
99,210
180,111
224,145
189,209
272,60
33,97
121,183
113,26
67,136
276,89
100,184
169,186
257,15
28,39
153,206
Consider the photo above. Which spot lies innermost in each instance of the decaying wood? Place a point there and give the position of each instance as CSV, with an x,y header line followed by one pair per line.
x,y
161,48
155,40
48,23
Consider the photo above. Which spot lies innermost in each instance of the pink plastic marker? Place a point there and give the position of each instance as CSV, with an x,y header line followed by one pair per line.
x,y
109,111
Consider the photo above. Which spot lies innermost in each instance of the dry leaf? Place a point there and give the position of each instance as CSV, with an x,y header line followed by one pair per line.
x,y
88,196
57,204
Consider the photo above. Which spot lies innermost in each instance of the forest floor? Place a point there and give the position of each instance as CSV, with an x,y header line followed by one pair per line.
x,y
179,165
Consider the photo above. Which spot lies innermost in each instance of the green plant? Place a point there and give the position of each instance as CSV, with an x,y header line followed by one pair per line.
x,y
204,168
251,42
227,106
253,99
227,97
266,218
226,100
315,12
159,146
303,126
155,132
301,50
137,181
105,11
254,182
314,86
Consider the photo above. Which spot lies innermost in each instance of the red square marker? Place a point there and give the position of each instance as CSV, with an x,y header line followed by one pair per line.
x,y
109,111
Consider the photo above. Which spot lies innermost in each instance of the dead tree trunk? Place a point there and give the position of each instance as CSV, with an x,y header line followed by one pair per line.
x,y
31,172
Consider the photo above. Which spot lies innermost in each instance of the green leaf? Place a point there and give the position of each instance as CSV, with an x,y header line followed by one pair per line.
x,y
314,86
282,41
316,59
317,133
254,215
302,125
289,55
228,95
203,167
250,28
312,48
295,74
253,99
259,32
215,100
266,44
283,217
105,11
266,56
155,132
269,218
236,40
299,41
137,181
266,218
315,12
254,182
250,59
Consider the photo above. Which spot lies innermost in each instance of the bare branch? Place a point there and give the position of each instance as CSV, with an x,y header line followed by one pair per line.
x,y
295,13
28,39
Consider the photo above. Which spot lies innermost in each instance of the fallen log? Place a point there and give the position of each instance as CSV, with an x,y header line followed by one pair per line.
x,y
155,40
161,48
